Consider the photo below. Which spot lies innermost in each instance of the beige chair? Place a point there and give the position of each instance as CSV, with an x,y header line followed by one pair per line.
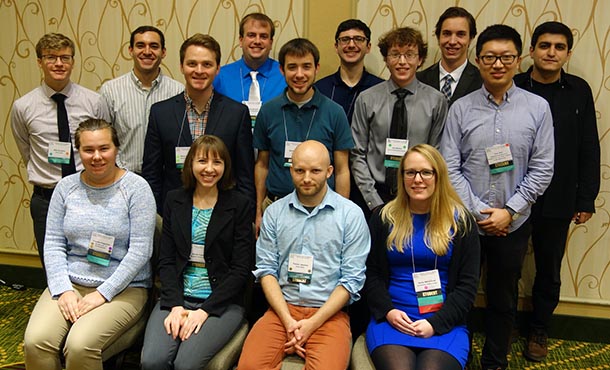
x,y
360,359
227,357
293,362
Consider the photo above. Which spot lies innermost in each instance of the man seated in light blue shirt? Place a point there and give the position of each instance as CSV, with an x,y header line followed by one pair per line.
x,y
499,147
310,259
256,31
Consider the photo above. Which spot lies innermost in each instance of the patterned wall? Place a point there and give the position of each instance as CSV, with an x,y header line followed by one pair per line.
x,y
101,31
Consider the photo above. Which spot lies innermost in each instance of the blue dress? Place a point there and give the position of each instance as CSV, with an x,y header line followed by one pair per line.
x,y
404,298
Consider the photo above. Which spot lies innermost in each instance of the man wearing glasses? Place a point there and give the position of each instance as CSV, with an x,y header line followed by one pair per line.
x,y
392,116
498,144
353,43
44,121
453,75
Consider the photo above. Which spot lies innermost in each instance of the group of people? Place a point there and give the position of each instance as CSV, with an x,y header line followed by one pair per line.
x,y
250,167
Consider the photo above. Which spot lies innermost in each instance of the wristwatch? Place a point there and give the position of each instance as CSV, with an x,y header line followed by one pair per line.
x,y
514,215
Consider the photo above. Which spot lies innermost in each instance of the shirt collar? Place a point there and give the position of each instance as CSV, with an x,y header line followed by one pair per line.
x,y
189,102
48,91
337,81
263,70
315,100
138,83
329,200
507,95
411,86
456,74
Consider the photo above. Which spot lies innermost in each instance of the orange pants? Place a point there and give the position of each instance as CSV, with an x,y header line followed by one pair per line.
x,y
328,348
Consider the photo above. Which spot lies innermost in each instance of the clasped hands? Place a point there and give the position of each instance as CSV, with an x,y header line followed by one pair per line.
x,y
298,332
403,323
497,223
182,322
72,306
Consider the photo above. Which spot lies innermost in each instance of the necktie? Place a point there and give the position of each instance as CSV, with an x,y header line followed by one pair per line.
x,y
398,130
446,89
255,90
63,128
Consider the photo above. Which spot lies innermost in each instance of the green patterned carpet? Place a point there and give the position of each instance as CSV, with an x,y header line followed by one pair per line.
x,y
16,307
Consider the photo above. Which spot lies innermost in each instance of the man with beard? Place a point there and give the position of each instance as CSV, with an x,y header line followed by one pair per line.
x,y
300,113
310,260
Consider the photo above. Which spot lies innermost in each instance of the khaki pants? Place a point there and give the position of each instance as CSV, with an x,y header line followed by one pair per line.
x,y
48,333
328,348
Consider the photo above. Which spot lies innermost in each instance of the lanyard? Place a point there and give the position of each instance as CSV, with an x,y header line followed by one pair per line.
x,y
310,123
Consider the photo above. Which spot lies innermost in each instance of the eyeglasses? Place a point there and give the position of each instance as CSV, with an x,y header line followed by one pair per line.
x,y
489,60
395,57
425,174
52,59
359,40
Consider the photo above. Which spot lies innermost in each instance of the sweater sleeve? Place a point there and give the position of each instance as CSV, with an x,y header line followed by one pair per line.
x,y
141,218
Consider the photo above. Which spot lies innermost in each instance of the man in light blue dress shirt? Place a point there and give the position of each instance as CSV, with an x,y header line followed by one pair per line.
x,y
499,147
310,260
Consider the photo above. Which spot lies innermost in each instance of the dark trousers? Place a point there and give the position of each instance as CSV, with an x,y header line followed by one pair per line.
x,y
549,237
39,207
504,257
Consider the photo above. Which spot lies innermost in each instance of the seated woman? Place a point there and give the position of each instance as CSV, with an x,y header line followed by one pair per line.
x,y
207,253
423,270
97,256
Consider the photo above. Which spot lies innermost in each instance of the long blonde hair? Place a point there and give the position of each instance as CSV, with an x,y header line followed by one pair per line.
x,y
446,209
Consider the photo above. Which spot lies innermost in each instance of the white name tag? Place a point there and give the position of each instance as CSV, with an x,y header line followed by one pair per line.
x,y
59,152
499,158
197,253
428,288
181,152
253,106
100,248
289,147
300,268
394,150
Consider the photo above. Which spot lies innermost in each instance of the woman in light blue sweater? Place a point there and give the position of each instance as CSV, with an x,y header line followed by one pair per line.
x,y
98,245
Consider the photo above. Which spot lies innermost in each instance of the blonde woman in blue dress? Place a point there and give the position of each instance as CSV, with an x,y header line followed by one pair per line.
x,y
422,271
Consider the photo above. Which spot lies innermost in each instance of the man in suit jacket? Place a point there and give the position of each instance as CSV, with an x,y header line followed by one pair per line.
x,y
176,122
455,30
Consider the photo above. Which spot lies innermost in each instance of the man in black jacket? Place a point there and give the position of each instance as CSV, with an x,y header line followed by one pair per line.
x,y
572,192
453,75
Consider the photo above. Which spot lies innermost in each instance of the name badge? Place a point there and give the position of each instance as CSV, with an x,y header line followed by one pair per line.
x,y
100,248
197,258
181,152
300,268
253,107
500,158
428,288
289,147
59,152
394,150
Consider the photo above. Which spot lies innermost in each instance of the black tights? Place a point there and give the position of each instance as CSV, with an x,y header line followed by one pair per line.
x,y
394,357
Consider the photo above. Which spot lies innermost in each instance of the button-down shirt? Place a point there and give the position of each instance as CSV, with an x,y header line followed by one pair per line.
x,y
476,122
234,80
426,112
129,105
334,233
34,125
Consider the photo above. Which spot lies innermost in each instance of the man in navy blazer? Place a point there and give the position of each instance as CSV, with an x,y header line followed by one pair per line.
x,y
175,123
455,30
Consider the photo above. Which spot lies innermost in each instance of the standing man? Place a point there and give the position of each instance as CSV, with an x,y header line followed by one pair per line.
x,y
310,260
455,30
353,43
176,122
44,121
130,96
575,184
255,78
300,113
393,116
498,144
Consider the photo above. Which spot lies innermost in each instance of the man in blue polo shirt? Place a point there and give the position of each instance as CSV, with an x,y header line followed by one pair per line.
x,y
255,78
300,113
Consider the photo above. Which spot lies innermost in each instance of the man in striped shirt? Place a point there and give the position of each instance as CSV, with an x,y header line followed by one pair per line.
x,y
130,96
